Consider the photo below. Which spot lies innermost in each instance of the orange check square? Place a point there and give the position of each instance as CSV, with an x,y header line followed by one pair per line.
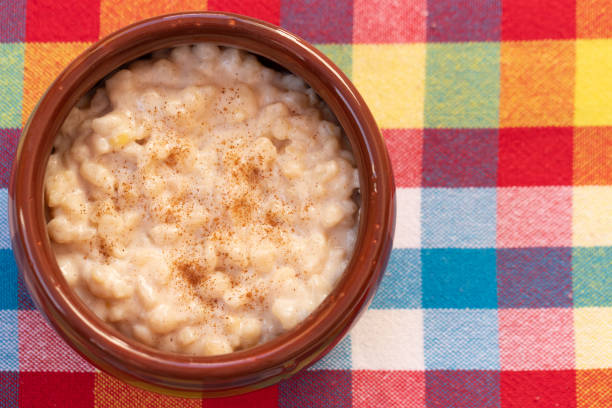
x,y
537,83
593,155
44,62
115,14
594,388
593,18
111,392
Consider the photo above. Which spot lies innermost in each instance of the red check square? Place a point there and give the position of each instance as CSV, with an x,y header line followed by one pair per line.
x,y
538,20
534,217
405,148
54,21
538,389
535,156
41,389
390,389
264,10
388,21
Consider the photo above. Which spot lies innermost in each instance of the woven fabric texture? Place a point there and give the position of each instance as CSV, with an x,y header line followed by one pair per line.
x,y
498,119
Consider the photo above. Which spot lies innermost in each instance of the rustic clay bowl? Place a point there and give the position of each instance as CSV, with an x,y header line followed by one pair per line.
x,y
240,371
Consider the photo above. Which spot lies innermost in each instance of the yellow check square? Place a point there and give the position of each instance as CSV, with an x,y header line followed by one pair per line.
x,y
592,216
391,78
593,331
593,83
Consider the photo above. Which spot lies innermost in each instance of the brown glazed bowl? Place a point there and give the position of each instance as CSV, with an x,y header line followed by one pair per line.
x,y
178,374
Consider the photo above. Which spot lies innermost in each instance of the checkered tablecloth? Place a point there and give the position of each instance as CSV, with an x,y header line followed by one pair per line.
x,y
498,118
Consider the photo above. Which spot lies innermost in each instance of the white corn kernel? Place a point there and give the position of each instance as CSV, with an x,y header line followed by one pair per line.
x,y
163,234
216,285
164,319
285,310
98,175
144,334
146,293
105,282
250,331
69,270
187,335
263,256
119,311
331,215
206,51
216,345
236,297
64,231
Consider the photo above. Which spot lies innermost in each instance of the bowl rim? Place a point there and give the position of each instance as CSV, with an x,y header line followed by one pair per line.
x,y
246,369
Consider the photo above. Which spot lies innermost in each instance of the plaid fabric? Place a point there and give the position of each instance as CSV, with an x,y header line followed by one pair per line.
x,y
498,118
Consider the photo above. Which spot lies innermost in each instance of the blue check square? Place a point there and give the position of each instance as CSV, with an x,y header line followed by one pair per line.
x,y
458,217
461,339
459,278
13,17
463,20
321,388
534,277
462,388
337,359
5,233
400,287
9,340
9,139
8,280
460,157
319,21
9,389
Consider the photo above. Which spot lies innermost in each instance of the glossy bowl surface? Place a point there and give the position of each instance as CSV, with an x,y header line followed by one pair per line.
x,y
240,371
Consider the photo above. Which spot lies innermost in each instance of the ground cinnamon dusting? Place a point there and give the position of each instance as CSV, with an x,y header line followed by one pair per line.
x,y
191,272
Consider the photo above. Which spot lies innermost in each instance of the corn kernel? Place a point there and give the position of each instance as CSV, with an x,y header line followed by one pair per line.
x,y
120,140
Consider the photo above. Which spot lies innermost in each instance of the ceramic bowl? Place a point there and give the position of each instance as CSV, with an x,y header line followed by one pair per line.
x,y
240,371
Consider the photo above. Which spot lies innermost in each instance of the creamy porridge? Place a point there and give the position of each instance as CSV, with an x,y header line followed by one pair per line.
x,y
201,202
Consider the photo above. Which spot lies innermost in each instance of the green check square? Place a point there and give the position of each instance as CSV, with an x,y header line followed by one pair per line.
x,y
462,85
341,55
11,84
592,276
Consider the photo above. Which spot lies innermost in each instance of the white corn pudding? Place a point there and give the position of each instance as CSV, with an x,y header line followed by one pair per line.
x,y
201,202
